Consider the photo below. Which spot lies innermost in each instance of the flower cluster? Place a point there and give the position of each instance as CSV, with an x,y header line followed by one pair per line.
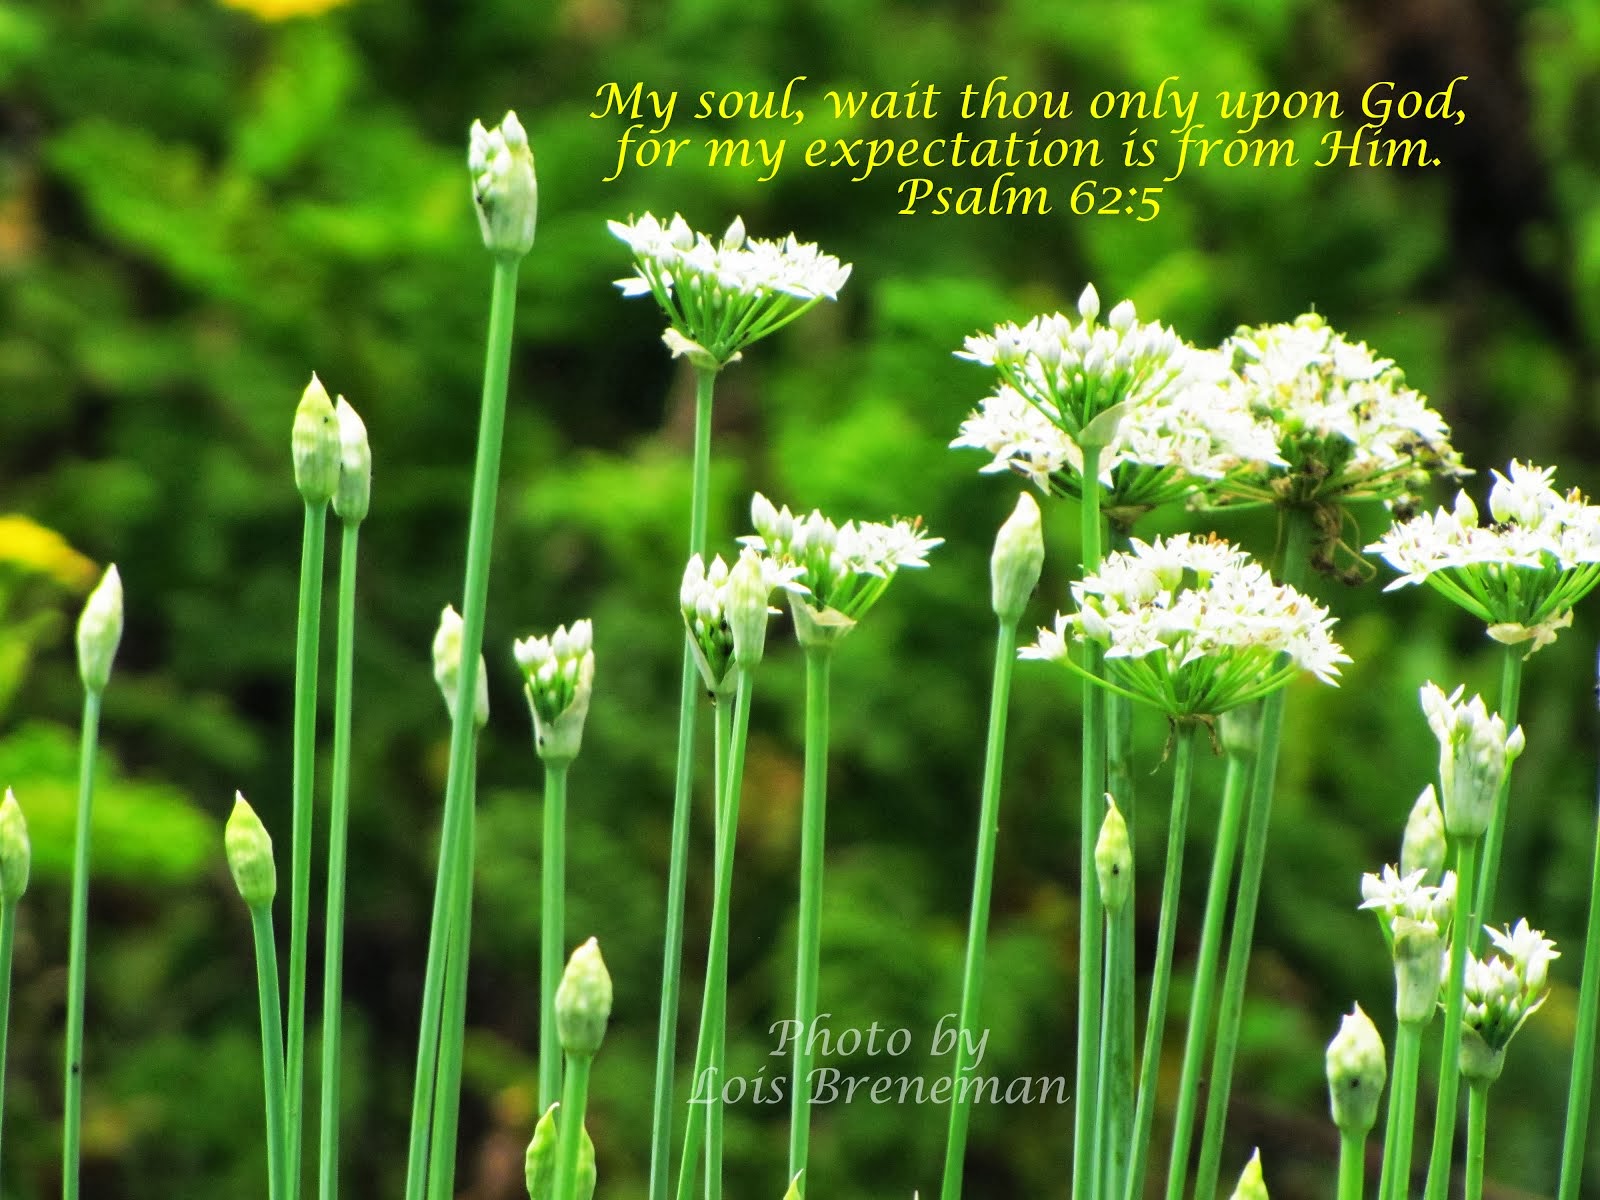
x,y
1193,626
1520,575
1347,426
1475,752
722,295
1502,992
558,675
505,191
837,572
726,611
1415,919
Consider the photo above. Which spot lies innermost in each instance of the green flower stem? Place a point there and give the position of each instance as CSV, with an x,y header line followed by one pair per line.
x,y
1510,698
1205,971
1091,919
552,929
1466,920
1292,570
447,1084
683,789
8,937
705,1107
809,953
1161,980
271,1047
1115,1095
1394,1183
1477,1130
1352,1164
1005,656
454,847
569,1123
305,767
1574,1140
73,1117
338,832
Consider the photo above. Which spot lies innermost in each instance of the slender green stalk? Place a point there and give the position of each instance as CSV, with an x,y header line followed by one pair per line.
x,y
1489,870
73,1118
1444,1118
8,937
1115,1095
1477,1130
1394,1183
271,1048
682,792
1005,656
569,1120
1574,1140
1230,1007
1205,970
552,929
454,849
1086,1155
1161,980
447,1084
809,954
338,832
1352,1165
305,765
705,1107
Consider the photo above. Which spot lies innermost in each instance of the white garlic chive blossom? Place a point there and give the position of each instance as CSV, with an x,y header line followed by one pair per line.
x,y
835,572
1521,574
1346,425
505,191
1475,752
1193,626
722,295
447,667
558,679
1501,993
726,612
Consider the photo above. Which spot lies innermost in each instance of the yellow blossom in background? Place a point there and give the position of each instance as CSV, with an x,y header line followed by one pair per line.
x,y
283,10
39,551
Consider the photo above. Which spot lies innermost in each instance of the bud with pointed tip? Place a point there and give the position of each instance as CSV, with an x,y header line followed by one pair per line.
x,y
583,1001
539,1165
100,631
1423,848
794,1193
447,667
1113,859
16,855
747,608
354,494
1356,1073
314,441
505,191
249,850
1251,1184
1017,561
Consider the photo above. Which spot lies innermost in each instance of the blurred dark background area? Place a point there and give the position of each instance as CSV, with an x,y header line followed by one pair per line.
x,y
200,205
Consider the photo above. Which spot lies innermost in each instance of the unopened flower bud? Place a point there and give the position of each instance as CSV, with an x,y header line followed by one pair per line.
x,y
354,494
1424,846
314,442
540,1163
100,631
1419,954
1017,560
746,608
583,1001
250,854
1251,1184
505,191
1356,1073
1088,303
16,855
1113,859
447,667
558,674
1475,754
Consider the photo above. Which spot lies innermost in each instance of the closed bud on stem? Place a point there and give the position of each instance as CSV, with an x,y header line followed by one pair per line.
x,y
583,1001
1113,859
558,674
447,667
250,854
540,1163
1356,1073
1251,1184
1475,753
314,442
16,855
505,191
1419,959
354,494
1017,560
746,608
1424,846
100,631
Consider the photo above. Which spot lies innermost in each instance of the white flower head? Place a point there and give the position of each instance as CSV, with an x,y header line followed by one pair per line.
x,y
725,611
1500,994
505,191
1475,753
721,295
558,680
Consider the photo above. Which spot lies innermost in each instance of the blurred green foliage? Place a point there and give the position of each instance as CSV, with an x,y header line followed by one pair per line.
x,y
197,208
